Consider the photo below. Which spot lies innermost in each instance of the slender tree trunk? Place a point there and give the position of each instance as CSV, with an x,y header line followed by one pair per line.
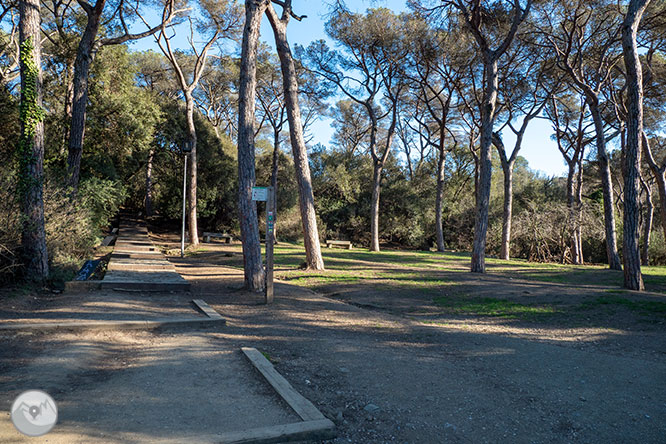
x,y
379,162
31,144
505,252
313,256
149,183
374,205
579,211
193,227
661,188
376,181
67,108
647,224
573,229
660,177
84,58
254,273
607,186
633,279
274,174
439,198
478,264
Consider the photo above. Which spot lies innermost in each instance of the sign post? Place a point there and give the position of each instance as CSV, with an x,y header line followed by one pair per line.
x,y
266,194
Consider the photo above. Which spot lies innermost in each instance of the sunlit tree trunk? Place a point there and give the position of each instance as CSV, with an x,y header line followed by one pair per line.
x,y
84,57
274,172
647,223
633,279
478,264
254,273
193,227
439,199
579,211
571,207
374,205
313,256
659,173
607,186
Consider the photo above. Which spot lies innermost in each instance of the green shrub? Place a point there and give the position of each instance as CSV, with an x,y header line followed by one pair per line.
x,y
102,199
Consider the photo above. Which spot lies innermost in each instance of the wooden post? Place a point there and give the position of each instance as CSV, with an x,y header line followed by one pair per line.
x,y
270,228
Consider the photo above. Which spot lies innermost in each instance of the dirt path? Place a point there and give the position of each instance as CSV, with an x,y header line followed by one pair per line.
x,y
385,378
398,371
138,387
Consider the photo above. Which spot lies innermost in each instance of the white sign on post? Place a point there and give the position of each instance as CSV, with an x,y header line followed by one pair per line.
x,y
260,194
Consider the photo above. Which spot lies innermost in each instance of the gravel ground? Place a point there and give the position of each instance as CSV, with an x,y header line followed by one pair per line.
x,y
384,377
381,373
137,387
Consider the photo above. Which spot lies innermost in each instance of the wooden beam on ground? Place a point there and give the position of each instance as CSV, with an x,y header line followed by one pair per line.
x,y
170,323
303,408
299,431
207,309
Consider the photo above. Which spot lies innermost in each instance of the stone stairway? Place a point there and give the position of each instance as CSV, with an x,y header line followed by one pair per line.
x,y
136,264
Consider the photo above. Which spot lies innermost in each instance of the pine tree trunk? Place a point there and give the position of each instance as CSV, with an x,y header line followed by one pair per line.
x,y
31,148
647,224
193,227
579,212
661,188
633,279
253,269
149,183
439,198
374,206
67,108
313,256
607,187
572,214
274,177
478,264
84,57
505,252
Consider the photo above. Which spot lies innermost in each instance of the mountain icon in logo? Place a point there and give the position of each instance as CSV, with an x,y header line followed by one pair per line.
x,y
34,413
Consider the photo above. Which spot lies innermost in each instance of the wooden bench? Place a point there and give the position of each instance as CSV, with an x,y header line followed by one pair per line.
x,y
341,243
208,236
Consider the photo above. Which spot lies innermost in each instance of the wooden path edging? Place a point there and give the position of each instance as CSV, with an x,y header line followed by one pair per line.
x,y
315,425
213,320
298,431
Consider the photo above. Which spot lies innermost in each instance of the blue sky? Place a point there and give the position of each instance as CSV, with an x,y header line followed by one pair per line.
x,y
538,148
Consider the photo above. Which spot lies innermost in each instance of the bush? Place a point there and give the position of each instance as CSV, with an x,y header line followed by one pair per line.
x,y
72,230
102,198
10,233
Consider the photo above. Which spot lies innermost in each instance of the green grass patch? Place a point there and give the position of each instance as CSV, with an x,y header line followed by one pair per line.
x,y
420,269
492,307
614,301
320,279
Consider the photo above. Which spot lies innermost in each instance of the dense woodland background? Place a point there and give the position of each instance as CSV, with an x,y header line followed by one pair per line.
x,y
404,92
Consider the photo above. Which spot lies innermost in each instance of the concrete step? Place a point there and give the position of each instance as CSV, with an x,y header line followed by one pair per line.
x,y
141,266
145,255
124,248
144,280
137,264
